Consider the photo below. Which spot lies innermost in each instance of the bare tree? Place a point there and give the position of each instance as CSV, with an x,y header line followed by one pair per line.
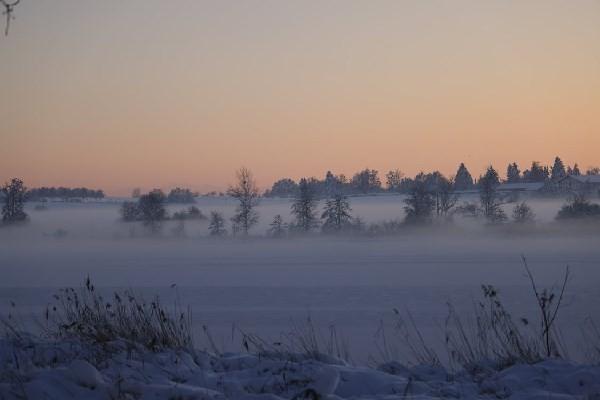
x,y
9,9
246,193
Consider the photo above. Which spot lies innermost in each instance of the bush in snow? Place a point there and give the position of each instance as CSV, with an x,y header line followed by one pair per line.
x,y
579,206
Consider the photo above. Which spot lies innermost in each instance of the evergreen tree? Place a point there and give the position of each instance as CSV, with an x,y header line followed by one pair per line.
x,y
558,169
593,171
463,179
14,193
575,171
216,226
246,193
513,174
536,173
488,196
304,207
336,215
277,228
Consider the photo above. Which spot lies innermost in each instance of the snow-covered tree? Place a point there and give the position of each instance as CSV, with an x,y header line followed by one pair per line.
x,y
513,173
463,179
336,215
14,193
304,207
246,193
558,169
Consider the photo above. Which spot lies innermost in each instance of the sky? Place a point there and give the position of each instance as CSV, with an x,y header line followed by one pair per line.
x,y
144,93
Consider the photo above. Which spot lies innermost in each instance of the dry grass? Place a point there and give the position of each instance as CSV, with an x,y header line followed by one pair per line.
x,y
86,314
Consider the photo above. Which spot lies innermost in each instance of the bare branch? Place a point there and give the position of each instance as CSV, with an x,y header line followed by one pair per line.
x,y
9,8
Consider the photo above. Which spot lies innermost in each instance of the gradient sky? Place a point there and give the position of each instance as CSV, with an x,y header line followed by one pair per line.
x,y
143,93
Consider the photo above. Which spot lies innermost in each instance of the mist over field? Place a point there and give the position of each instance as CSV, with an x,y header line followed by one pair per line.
x,y
267,285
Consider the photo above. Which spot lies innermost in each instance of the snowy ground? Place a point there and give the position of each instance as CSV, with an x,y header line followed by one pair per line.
x,y
34,369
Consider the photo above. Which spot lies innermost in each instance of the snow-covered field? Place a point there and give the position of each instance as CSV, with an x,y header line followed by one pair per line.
x,y
72,370
267,286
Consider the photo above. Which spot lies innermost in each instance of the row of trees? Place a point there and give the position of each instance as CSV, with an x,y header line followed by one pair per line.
x,y
368,181
150,209
430,196
63,193
176,196
335,217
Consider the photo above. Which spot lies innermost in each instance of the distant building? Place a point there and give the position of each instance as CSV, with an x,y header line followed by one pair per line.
x,y
574,183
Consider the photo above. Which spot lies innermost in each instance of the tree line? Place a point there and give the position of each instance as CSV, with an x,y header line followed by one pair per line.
x,y
430,197
367,181
37,194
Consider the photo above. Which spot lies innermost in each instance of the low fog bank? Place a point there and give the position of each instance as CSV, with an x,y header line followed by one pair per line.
x,y
418,259
67,241
101,219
